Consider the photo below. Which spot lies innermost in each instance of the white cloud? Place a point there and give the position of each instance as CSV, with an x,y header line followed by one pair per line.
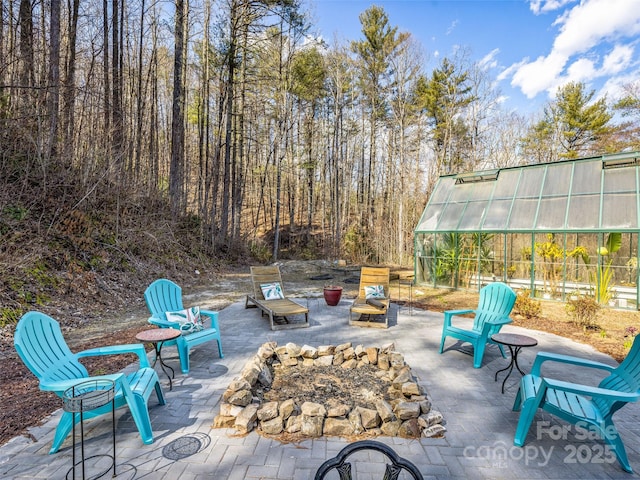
x,y
585,30
618,60
542,6
580,70
452,27
540,75
594,21
614,87
508,72
489,60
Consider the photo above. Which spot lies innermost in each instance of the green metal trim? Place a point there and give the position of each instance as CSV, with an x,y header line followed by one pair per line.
x,y
513,201
601,198
488,207
564,268
569,198
544,178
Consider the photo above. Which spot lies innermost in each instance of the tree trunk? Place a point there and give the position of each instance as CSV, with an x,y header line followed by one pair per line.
x,y
27,75
68,117
176,172
105,73
53,93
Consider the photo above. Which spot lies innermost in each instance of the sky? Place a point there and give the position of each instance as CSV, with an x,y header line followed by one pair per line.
x,y
530,47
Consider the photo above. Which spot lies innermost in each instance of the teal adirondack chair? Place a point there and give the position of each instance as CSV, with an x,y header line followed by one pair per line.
x,y
583,405
41,346
494,306
165,296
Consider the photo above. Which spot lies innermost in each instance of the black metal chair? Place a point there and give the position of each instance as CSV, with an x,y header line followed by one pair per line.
x,y
392,471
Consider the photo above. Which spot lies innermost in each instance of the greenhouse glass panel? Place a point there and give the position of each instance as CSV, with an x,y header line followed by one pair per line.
x,y
548,259
619,180
531,183
577,273
523,214
442,190
460,193
451,216
584,212
506,184
430,217
518,250
481,191
472,216
586,177
551,214
557,180
619,211
496,217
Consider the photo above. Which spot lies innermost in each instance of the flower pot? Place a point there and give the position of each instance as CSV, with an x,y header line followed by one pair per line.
x,y
332,295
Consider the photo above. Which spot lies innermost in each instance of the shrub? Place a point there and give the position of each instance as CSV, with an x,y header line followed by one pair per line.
x,y
584,311
526,306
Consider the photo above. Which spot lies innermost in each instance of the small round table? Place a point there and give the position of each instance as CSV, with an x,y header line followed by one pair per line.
x,y
515,342
157,337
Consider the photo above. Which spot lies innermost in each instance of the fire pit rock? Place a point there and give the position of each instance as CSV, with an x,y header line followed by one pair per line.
x,y
328,390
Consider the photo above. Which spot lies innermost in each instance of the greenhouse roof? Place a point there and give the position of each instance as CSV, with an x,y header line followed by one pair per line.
x,y
584,195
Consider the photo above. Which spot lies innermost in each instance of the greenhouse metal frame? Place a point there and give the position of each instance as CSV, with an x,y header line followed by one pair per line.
x,y
556,230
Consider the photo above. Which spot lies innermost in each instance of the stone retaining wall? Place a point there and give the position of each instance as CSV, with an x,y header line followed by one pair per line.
x,y
406,411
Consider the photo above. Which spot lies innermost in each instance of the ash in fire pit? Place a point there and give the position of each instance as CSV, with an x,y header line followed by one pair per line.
x,y
329,390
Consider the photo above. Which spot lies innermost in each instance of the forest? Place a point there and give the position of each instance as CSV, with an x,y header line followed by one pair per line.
x,y
226,128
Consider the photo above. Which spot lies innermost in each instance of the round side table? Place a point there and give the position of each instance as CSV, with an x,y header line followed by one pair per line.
x,y
157,337
81,398
515,342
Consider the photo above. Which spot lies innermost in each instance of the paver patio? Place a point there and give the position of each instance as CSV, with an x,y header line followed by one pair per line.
x,y
480,425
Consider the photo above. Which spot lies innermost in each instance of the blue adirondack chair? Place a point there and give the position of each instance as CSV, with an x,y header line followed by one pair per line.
x,y
583,405
494,306
41,346
165,296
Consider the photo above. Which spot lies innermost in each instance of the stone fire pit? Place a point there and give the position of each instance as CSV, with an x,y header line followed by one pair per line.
x,y
329,390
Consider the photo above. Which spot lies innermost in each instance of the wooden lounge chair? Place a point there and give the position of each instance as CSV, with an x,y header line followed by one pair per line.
x,y
278,310
372,312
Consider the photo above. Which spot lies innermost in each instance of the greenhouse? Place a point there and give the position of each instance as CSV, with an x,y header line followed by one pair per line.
x,y
557,230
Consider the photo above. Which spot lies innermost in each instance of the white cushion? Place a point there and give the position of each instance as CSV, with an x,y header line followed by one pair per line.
x,y
189,319
374,291
272,291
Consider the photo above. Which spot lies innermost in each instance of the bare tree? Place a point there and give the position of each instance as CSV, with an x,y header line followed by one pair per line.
x,y
176,174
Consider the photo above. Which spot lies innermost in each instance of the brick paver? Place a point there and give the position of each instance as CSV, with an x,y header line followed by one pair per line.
x,y
480,425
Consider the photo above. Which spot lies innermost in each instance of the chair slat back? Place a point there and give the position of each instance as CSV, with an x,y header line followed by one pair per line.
x,y
39,342
625,378
163,296
261,275
372,276
496,301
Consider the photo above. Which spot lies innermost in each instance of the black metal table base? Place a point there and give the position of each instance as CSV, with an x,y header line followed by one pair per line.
x,y
83,397
158,348
514,362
